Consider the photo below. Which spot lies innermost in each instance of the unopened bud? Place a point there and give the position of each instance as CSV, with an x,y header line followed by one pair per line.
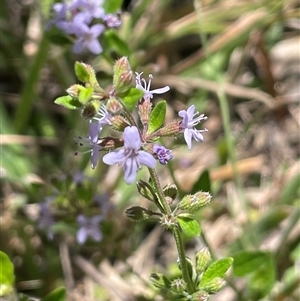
x,y
203,259
214,286
178,285
110,143
86,74
160,281
144,109
138,214
170,191
200,296
122,75
113,106
74,90
119,123
171,129
91,109
146,190
194,202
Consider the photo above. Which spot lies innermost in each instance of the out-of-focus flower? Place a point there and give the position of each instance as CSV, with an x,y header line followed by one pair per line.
x,y
76,17
188,123
92,142
89,227
87,37
112,21
142,85
130,156
163,154
46,220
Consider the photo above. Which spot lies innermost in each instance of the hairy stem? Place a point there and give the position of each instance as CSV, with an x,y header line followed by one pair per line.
x,y
175,230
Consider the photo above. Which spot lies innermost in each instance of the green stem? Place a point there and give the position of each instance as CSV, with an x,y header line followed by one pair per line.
x,y
175,230
29,92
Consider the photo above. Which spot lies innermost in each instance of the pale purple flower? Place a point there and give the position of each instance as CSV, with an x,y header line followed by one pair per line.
x,y
89,227
163,154
92,9
92,141
143,86
103,117
130,156
87,38
188,123
112,21
46,220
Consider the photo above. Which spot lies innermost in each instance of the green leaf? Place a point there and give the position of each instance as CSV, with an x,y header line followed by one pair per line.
x,y
246,262
189,225
263,279
112,6
216,269
68,102
59,294
7,276
82,72
290,191
85,94
203,183
157,117
131,97
113,42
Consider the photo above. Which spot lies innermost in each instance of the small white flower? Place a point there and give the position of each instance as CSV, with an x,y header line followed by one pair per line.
x,y
142,85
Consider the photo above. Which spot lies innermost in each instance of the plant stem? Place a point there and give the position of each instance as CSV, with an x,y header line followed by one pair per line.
x,y
176,232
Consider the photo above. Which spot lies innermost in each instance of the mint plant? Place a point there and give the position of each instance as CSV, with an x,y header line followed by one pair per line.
x,y
138,145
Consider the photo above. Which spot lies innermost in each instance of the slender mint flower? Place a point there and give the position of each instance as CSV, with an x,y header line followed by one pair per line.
x,y
89,227
131,157
142,85
188,123
92,142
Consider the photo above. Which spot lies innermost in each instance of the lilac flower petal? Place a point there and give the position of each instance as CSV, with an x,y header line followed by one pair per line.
x,y
94,47
160,90
97,29
81,236
95,156
132,138
96,234
81,219
130,170
146,159
78,46
95,220
114,157
188,138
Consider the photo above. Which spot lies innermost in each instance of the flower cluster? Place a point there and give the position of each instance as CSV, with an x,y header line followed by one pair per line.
x,y
138,146
76,18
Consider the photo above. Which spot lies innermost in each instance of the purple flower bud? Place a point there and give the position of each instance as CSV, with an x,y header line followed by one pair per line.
x,y
163,154
188,123
130,156
112,21
89,227
142,85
